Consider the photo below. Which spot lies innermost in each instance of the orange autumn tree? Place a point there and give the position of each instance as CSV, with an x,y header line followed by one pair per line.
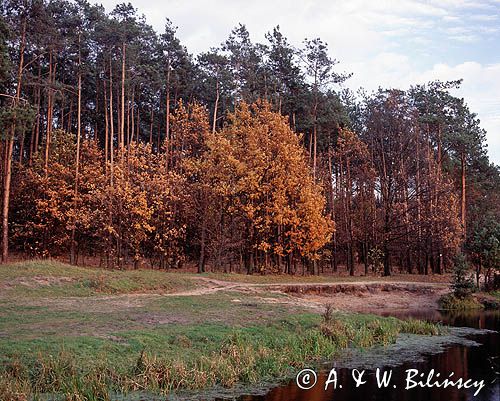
x,y
258,172
139,218
190,129
44,201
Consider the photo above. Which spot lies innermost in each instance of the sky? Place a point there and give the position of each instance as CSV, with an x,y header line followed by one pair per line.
x,y
386,43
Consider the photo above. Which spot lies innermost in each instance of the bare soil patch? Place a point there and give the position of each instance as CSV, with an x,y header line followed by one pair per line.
x,y
99,304
256,302
354,296
37,281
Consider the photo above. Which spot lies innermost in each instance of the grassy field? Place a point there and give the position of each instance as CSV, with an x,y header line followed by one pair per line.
x,y
86,333
51,278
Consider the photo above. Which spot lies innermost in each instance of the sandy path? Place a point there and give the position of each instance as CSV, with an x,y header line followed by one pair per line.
x,y
213,285
374,295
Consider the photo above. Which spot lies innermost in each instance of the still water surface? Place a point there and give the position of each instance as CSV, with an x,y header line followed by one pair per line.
x,y
476,362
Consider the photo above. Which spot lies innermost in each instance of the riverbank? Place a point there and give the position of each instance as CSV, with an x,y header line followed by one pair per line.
x,y
88,333
480,300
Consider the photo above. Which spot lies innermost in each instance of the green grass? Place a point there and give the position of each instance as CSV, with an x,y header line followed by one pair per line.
x,y
451,302
47,278
193,356
98,332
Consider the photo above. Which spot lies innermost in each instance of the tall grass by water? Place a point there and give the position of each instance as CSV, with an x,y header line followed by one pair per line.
x,y
241,355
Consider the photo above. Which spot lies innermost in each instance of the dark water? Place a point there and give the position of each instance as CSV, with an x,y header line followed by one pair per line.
x,y
478,361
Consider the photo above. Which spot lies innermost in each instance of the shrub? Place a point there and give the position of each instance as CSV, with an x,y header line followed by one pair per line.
x,y
463,285
451,302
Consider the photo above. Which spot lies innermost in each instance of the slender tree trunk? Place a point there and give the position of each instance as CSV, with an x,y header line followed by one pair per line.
x,y
34,149
167,115
315,267
70,117
49,114
10,147
332,205
315,122
137,122
96,126
215,107
311,141
111,120
463,199
106,129
77,160
419,213
21,148
349,217
201,262
158,138
122,116
365,254
387,256
60,120
151,128
315,150
128,135
6,198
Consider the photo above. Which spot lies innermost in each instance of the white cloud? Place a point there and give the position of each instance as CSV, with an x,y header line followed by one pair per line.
x,y
484,17
465,38
480,87
481,90
451,18
385,43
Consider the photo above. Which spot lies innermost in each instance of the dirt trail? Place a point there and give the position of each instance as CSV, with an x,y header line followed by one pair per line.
x,y
374,295
360,296
213,285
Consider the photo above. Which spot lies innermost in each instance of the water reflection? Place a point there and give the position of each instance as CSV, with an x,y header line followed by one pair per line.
x,y
475,363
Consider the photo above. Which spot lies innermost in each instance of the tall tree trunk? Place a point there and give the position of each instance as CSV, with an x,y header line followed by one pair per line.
x,y
167,115
96,124
77,159
138,124
128,135
106,129
10,147
315,122
122,115
201,262
332,213
315,150
151,128
6,198
50,106
111,120
463,199
216,106
36,134
419,213
387,256
350,233
21,148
